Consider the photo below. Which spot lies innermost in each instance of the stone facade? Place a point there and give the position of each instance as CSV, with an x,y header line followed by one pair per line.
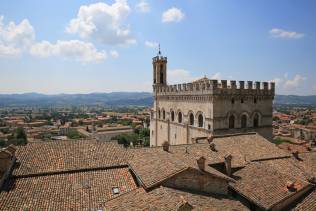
x,y
184,112
195,180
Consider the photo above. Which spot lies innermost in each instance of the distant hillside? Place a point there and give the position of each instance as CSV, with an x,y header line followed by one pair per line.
x,y
295,100
115,99
105,99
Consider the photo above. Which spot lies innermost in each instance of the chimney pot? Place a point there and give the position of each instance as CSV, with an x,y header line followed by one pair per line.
x,y
212,147
228,164
165,146
201,163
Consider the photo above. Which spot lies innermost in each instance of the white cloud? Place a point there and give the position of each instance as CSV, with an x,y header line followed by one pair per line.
x,y
143,6
286,84
73,50
103,22
178,76
280,33
151,44
216,76
172,15
15,37
114,54
9,50
295,82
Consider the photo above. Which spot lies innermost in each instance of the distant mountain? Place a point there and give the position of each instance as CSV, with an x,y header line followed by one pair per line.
x,y
295,100
105,99
115,99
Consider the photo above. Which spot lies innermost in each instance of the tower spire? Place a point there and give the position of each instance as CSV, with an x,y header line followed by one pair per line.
x,y
159,52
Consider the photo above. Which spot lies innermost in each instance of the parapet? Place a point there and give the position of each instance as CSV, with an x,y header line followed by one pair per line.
x,y
217,87
159,58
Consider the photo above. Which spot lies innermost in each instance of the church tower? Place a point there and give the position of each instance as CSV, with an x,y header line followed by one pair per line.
x,y
159,69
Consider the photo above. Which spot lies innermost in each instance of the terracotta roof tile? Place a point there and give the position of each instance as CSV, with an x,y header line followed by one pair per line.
x,y
37,158
72,191
246,148
154,165
163,198
308,204
265,185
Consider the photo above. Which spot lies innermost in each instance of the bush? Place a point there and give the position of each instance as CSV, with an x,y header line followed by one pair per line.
x,y
73,134
2,143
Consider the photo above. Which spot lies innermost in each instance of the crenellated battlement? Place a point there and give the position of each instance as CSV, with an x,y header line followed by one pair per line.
x,y
159,58
217,87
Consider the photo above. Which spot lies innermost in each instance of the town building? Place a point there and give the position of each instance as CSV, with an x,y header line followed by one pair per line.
x,y
183,113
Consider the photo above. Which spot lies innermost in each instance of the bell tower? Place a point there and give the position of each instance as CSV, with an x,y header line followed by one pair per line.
x,y
159,69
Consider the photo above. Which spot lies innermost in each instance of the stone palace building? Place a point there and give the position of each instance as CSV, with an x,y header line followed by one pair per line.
x,y
186,113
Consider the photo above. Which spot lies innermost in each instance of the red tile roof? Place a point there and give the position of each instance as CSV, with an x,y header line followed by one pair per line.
x,y
163,198
71,191
59,156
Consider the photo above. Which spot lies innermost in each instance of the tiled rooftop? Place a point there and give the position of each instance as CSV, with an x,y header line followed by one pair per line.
x,y
163,198
265,185
38,158
153,165
289,166
246,148
309,162
308,204
71,191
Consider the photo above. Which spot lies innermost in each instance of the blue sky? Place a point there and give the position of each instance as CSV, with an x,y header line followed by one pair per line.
x,y
102,46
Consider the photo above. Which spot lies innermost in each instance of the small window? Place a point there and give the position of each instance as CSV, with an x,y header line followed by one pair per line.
x,y
180,117
163,114
231,121
209,127
242,100
233,101
191,119
255,100
243,121
115,190
201,121
172,115
159,114
256,121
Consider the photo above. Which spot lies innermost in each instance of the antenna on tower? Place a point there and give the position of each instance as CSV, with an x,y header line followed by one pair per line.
x,y
159,52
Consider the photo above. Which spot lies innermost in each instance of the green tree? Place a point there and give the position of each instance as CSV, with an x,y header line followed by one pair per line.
x,y
2,143
20,134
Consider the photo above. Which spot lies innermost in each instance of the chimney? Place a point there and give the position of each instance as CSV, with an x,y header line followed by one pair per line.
x,y
201,163
11,148
5,160
165,146
210,139
296,156
212,147
228,164
184,206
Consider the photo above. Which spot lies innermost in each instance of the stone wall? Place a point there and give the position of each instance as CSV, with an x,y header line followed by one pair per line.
x,y
195,180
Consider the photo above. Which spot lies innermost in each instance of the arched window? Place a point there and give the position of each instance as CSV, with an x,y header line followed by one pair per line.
x,y
172,115
232,121
163,114
161,77
201,121
243,121
255,100
191,119
159,114
233,101
180,117
256,120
